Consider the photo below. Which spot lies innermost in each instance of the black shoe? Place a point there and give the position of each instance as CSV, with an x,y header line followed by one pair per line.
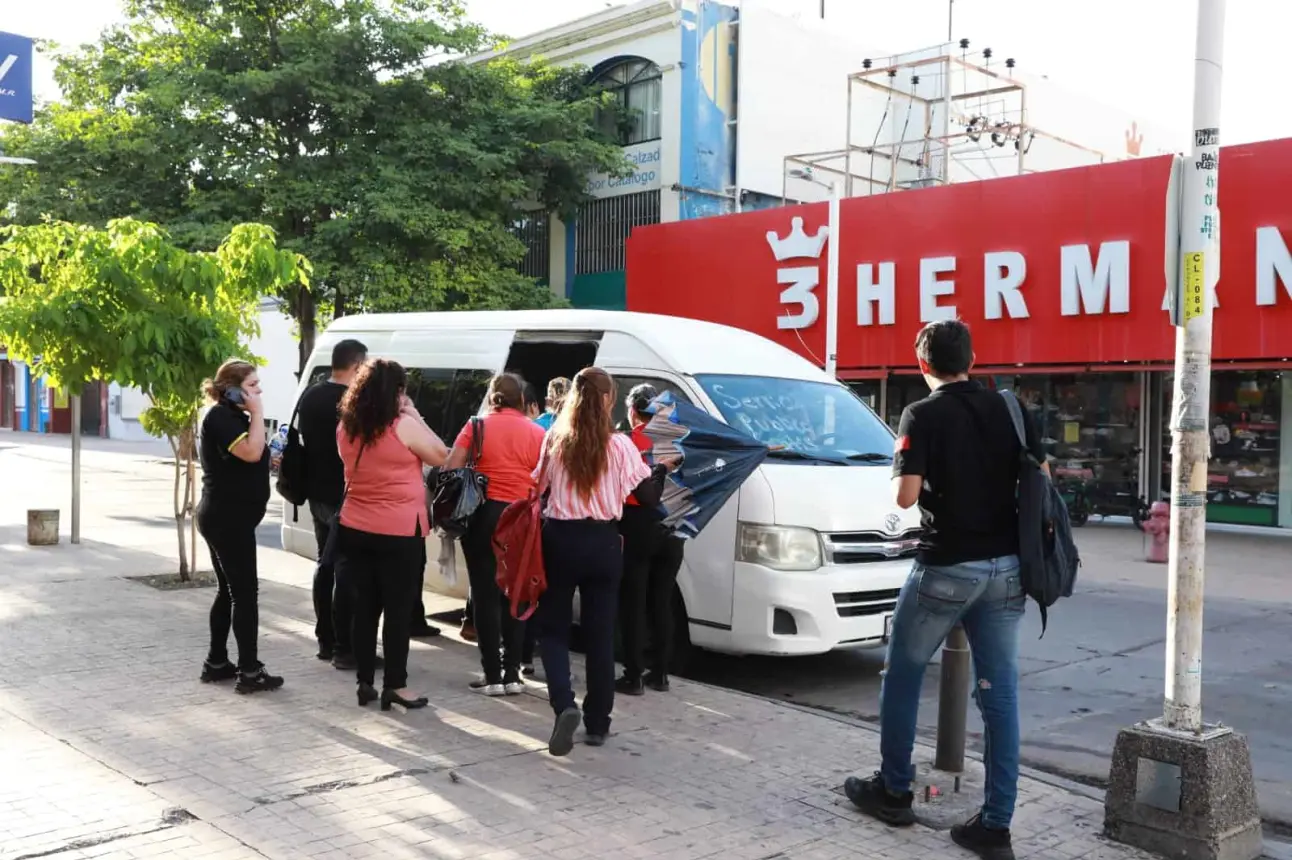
x,y
527,669
872,798
367,695
984,841
594,740
390,697
657,681
257,682
344,662
424,631
226,671
630,686
562,740
325,653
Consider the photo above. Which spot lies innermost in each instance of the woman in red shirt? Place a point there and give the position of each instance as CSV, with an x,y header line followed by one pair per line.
x,y
383,443
508,455
589,471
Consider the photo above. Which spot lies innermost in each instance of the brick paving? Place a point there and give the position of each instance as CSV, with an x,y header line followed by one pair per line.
x,y
109,747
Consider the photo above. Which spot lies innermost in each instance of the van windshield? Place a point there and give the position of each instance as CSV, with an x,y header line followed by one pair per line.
x,y
805,422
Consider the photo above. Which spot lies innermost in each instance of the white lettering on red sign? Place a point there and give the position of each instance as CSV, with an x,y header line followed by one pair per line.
x,y
1088,286
881,292
1273,264
1003,274
800,280
932,287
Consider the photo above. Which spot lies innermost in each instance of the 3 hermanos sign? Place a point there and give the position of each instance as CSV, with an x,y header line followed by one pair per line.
x,y
15,78
1055,268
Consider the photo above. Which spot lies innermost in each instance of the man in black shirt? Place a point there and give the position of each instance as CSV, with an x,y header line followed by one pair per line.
x,y
957,456
324,483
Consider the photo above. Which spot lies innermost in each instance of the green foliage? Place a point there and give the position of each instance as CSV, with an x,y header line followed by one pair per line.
x,y
339,124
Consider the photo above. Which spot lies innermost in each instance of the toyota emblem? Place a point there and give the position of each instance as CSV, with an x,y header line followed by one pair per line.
x,y
891,522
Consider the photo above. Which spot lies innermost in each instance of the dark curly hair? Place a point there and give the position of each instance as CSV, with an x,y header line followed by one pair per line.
x,y
371,403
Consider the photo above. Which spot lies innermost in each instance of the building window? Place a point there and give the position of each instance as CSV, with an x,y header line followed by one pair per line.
x,y
533,230
603,227
637,87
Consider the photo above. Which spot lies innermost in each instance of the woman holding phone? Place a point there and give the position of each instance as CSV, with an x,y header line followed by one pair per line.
x,y
235,493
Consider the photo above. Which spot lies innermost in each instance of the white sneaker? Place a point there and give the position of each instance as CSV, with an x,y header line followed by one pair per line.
x,y
494,690
515,688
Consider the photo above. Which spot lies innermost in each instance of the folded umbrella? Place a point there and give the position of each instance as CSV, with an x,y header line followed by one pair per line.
x,y
708,459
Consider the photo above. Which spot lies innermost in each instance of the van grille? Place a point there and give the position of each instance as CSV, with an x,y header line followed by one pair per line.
x,y
865,547
855,604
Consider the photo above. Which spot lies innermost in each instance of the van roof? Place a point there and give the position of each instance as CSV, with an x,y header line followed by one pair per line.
x,y
690,346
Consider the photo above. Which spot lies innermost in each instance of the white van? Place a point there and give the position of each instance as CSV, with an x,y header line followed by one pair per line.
x,y
808,557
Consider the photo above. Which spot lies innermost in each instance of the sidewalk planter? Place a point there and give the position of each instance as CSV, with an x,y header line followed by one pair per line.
x,y
42,528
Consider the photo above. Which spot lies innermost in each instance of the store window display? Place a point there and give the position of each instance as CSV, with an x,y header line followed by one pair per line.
x,y
1246,429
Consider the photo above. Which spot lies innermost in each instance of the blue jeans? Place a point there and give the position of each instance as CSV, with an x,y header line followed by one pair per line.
x,y
987,598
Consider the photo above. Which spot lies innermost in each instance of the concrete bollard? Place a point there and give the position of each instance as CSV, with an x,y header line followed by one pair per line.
x,y
42,528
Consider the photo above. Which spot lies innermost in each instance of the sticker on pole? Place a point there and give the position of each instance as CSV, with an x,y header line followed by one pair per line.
x,y
1195,284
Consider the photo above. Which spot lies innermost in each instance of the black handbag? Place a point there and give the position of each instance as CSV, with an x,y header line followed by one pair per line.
x,y
291,481
328,555
456,494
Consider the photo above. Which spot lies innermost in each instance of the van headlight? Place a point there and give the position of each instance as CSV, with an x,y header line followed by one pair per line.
x,y
778,547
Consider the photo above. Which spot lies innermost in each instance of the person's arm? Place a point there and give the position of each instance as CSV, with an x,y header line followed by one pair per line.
x,y
650,491
634,470
422,441
247,445
910,460
461,449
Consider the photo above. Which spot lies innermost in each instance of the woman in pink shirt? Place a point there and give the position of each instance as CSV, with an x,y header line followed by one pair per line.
x,y
509,451
589,471
383,443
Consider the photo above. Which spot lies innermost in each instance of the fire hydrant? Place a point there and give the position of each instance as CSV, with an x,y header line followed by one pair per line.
x,y
1158,528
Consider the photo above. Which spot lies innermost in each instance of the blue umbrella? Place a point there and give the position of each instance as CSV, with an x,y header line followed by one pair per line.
x,y
708,459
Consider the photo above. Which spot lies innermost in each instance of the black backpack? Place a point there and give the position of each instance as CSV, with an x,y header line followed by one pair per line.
x,y
1048,558
291,465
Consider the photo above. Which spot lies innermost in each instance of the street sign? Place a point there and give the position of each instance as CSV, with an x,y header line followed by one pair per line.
x,y
15,78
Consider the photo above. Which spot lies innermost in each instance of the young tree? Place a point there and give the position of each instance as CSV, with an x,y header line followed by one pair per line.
x,y
125,305
337,122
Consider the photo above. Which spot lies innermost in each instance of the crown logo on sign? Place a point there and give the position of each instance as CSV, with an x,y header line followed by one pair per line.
x,y
798,245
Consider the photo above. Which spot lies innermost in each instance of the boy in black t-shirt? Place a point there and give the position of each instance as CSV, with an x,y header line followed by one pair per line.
x,y
957,456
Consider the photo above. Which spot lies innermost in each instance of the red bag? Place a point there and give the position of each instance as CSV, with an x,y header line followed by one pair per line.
x,y
518,547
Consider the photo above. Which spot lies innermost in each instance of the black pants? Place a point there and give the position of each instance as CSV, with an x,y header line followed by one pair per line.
x,y
333,599
232,542
383,572
588,556
498,634
652,558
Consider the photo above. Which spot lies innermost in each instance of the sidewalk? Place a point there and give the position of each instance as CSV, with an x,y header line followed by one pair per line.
x,y
112,749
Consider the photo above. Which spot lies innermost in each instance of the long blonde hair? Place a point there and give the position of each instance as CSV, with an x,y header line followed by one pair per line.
x,y
580,436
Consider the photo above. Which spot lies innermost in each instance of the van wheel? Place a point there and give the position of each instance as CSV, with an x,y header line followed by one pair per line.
x,y
683,650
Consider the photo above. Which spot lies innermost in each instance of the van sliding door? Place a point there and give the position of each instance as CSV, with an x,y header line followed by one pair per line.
x,y
541,356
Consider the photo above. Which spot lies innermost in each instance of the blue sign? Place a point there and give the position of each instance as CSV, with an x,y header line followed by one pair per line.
x,y
15,78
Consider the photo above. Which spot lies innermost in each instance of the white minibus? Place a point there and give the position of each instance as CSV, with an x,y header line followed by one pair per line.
x,y
807,557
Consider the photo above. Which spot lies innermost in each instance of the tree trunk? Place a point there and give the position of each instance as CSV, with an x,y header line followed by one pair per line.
x,y
306,318
179,503
191,506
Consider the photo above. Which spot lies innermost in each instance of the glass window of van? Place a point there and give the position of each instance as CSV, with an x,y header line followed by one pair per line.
x,y
806,422
627,384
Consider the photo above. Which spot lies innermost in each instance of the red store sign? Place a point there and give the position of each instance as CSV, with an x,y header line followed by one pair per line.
x,y
1066,267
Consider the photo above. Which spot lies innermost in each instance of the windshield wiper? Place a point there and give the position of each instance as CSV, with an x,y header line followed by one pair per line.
x,y
787,454
870,457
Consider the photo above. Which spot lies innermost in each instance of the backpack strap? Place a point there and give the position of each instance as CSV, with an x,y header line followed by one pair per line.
x,y
1027,458
477,442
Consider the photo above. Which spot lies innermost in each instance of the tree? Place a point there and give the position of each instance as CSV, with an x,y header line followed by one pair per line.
x,y
338,123
125,305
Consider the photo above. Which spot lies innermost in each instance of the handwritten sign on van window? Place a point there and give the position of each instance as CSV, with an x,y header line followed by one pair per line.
x,y
772,417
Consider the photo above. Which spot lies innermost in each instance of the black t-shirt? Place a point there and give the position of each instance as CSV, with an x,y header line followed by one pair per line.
x,y
961,440
316,421
231,488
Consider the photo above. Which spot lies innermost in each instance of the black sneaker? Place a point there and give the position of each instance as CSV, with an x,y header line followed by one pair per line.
x,y
630,686
986,842
424,631
325,654
256,682
657,681
874,799
562,740
344,662
225,671
594,740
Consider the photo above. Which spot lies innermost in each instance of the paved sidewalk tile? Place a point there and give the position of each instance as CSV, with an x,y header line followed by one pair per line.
x,y
109,747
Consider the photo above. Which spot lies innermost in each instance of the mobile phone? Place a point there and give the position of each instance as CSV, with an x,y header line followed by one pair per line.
x,y
235,396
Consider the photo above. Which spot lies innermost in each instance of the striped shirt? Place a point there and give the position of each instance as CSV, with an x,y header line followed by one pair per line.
x,y
624,471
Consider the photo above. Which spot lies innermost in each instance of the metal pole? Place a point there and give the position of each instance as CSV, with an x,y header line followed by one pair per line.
x,y
1190,446
832,287
951,16
76,467
953,702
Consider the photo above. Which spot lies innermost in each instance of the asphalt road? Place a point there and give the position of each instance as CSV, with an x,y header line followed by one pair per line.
x,y
1098,668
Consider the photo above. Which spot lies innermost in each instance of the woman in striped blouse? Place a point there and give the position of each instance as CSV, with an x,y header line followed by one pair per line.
x,y
590,470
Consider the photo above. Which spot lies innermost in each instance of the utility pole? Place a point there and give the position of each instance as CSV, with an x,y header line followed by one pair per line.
x,y
76,466
1165,772
832,286
951,17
